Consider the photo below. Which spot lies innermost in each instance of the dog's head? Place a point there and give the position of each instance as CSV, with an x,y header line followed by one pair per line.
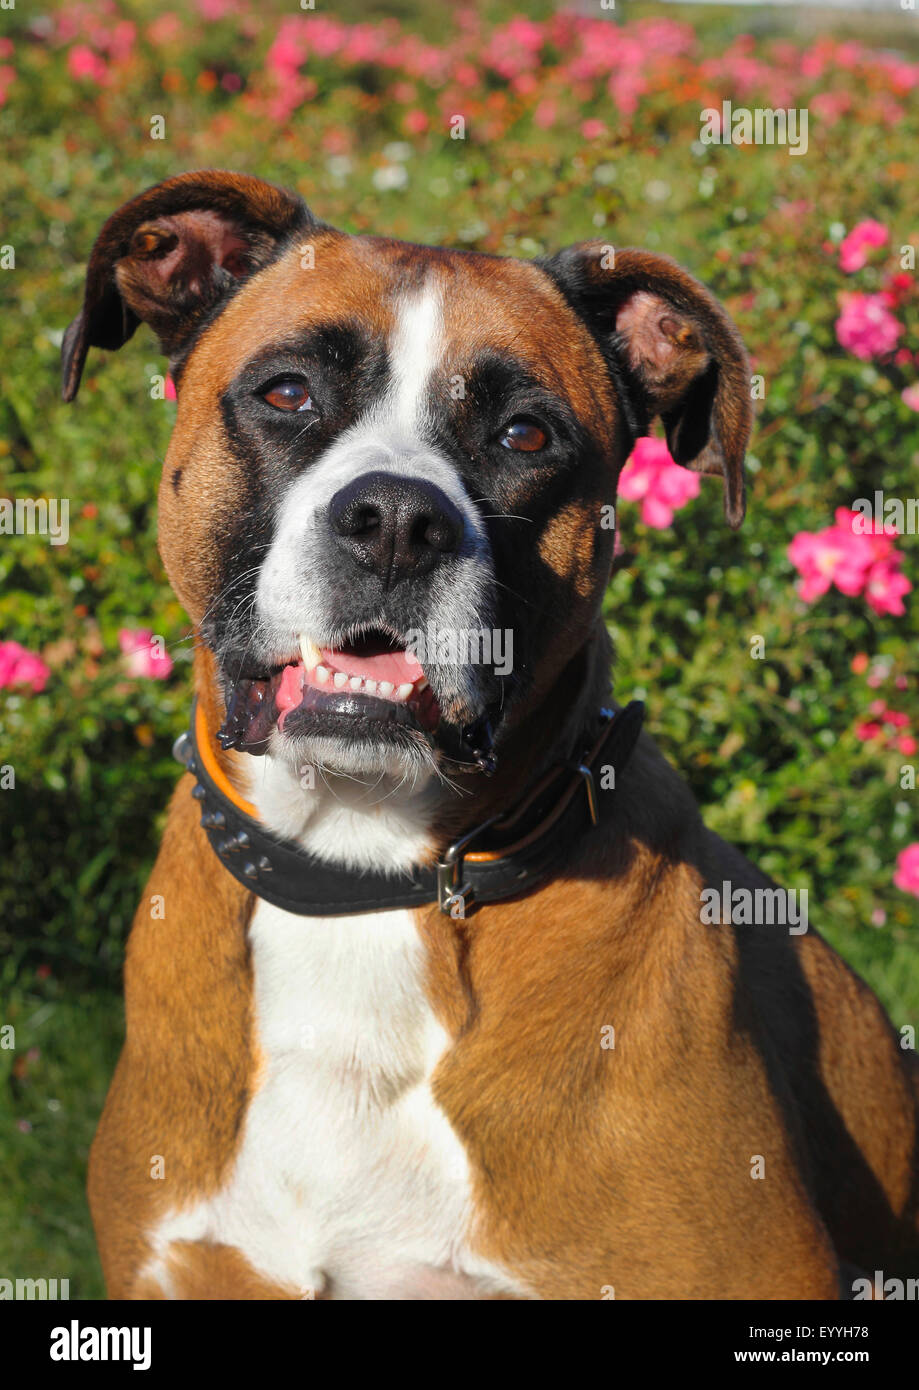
x,y
387,500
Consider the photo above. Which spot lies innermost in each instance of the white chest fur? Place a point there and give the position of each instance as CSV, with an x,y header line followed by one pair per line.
x,y
349,1181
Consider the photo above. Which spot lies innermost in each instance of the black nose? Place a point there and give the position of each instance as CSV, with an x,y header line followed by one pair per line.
x,y
398,527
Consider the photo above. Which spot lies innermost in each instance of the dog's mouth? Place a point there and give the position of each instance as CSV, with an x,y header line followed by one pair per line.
x,y
363,687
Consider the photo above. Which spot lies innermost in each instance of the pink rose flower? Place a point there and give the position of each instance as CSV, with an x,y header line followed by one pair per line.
x,y
83,62
7,77
143,657
898,287
21,667
853,249
823,558
215,9
866,327
886,587
416,122
164,29
546,114
662,486
910,396
867,730
858,561
286,53
907,872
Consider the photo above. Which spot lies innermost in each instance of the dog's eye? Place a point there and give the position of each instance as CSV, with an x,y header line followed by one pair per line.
x,y
523,434
289,394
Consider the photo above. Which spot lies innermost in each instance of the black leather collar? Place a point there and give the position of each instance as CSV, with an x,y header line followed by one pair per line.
x,y
528,843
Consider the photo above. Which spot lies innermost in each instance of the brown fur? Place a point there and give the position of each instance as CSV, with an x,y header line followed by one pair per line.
x,y
201,1271
188,1066
636,1161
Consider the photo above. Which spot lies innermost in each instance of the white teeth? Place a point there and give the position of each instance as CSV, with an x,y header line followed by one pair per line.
x,y
310,653
422,684
366,687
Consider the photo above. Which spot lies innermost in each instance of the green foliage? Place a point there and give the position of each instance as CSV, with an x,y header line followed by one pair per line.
x,y
53,1084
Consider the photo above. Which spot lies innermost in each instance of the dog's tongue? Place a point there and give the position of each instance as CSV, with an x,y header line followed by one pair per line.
x,y
393,666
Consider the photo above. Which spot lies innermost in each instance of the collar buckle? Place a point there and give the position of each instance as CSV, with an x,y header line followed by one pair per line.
x,y
454,896
586,772
590,788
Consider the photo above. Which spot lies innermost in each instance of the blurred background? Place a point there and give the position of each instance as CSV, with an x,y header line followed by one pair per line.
x,y
579,122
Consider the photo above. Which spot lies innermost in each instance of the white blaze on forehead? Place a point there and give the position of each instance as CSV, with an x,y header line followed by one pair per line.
x,y
303,568
415,349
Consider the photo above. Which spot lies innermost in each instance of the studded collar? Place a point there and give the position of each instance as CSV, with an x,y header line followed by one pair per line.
x,y
528,843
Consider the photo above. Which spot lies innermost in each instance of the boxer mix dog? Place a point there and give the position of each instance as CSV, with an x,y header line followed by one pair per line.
x,y
421,1000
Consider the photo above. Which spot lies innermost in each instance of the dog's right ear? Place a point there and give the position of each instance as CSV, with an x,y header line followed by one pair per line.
x,y
678,353
171,254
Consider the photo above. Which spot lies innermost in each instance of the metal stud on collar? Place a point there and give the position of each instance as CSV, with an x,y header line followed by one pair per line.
x,y
211,820
182,749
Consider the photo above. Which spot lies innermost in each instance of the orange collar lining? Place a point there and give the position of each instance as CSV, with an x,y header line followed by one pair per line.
x,y
214,770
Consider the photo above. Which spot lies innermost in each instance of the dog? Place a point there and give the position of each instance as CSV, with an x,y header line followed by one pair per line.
x,y
421,1001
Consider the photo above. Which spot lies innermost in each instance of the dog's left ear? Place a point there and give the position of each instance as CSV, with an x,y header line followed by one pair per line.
x,y
672,348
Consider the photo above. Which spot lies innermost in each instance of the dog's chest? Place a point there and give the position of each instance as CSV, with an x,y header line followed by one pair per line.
x,y
349,1182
